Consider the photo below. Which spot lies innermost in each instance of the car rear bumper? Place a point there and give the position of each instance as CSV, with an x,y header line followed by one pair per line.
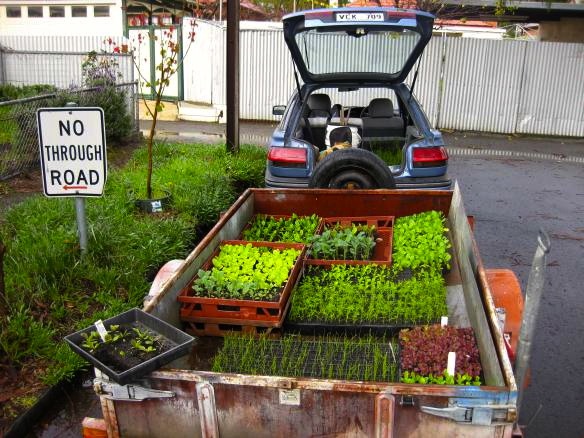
x,y
278,182
437,183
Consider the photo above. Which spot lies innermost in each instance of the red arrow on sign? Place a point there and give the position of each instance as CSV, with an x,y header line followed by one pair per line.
x,y
74,187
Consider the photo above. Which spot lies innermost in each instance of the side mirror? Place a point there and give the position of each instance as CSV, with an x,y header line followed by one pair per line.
x,y
278,110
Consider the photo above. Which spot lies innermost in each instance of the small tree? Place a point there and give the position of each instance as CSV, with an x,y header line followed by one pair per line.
x,y
170,61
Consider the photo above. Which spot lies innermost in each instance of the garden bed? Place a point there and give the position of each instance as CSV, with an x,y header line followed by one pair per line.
x,y
267,312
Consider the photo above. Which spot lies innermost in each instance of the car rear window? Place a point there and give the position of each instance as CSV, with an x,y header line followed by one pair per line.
x,y
356,50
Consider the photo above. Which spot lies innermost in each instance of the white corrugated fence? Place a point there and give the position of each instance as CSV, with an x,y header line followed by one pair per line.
x,y
501,86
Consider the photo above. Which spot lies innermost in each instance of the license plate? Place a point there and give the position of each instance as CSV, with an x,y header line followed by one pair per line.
x,y
360,16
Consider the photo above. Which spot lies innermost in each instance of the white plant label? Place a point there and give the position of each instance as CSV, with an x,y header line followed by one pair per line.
x,y
101,329
450,369
443,321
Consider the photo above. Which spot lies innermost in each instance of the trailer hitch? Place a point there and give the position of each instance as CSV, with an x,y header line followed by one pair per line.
x,y
485,415
113,391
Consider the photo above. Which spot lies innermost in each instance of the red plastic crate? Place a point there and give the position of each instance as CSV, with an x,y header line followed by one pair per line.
x,y
234,311
377,221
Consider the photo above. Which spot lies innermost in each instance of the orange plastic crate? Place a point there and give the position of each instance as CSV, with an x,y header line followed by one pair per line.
x,y
235,311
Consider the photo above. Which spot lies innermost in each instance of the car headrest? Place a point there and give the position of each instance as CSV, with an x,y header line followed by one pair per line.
x,y
320,102
380,107
336,110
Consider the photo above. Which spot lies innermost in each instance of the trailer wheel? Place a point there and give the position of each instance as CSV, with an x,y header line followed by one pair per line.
x,y
351,168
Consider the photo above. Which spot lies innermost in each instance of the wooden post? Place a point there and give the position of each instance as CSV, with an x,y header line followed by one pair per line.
x,y
232,131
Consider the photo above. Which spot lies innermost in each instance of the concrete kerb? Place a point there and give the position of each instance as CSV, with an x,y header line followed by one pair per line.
x,y
460,144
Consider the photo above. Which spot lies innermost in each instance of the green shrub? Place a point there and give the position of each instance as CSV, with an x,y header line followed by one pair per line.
x,y
13,92
51,291
114,102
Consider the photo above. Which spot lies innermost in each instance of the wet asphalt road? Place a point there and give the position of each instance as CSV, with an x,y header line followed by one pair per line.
x,y
511,199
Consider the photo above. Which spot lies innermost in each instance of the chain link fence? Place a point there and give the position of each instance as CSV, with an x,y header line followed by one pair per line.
x,y
19,148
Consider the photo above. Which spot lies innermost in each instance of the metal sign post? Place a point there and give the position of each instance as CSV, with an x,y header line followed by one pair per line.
x,y
73,156
81,223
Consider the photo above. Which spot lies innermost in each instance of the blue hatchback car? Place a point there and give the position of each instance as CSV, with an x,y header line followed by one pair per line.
x,y
352,121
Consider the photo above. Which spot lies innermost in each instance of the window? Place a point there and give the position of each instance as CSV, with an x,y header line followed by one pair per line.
x,y
56,11
79,11
35,11
13,11
101,11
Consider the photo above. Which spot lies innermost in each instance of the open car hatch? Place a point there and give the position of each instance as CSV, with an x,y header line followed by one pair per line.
x,y
356,44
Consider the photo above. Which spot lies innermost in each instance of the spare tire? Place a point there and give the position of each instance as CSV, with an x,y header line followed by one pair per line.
x,y
351,168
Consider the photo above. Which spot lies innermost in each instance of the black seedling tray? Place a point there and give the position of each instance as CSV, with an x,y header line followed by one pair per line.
x,y
180,345
365,328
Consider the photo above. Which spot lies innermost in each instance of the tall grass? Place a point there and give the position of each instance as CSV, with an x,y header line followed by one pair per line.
x,y
52,291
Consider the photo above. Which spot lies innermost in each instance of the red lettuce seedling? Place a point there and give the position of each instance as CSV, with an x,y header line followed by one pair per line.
x,y
424,350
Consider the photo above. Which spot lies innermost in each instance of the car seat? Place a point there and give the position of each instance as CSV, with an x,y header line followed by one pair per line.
x,y
317,114
381,124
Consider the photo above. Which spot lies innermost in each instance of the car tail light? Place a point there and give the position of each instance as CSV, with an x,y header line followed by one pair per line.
x,y
401,14
319,15
287,157
429,157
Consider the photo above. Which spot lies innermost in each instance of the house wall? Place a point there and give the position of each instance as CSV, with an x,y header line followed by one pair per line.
x,y
567,30
46,25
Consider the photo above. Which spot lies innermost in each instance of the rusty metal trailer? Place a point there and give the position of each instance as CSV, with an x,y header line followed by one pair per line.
x,y
183,402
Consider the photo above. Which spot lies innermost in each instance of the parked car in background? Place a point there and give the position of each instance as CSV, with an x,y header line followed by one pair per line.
x,y
353,64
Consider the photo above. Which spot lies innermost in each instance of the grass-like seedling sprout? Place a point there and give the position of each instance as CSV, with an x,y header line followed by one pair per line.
x,y
368,293
295,229
363,359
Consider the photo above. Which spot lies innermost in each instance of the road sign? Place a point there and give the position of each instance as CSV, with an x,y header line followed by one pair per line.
x,y
73,151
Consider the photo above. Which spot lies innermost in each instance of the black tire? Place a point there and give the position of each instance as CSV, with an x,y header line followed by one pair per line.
x,y
351,168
